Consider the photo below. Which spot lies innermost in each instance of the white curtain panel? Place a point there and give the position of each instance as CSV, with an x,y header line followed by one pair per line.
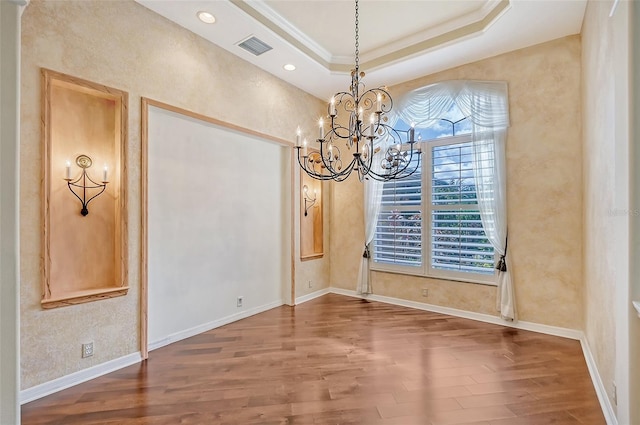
x,y
486,104
372,201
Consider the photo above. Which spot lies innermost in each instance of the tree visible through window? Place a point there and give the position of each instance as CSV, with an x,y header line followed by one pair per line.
x,y
437,204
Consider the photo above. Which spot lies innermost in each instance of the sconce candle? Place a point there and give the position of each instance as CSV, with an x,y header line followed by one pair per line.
x,y
68,171
105,178
321,124
304,148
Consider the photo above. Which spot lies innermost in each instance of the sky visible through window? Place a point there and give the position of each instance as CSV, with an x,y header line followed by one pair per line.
x,y
445,165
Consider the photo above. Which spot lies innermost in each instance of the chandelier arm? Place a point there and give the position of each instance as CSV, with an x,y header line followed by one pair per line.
x,y
388,177
385,106
347,171
335,130
313,174
327,165
390,131
310,171
400,173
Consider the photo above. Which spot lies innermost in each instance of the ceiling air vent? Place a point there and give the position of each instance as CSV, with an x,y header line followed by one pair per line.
x,y
255,46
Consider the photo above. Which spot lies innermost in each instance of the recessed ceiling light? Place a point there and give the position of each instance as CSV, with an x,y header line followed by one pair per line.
x,y
289,67
206,17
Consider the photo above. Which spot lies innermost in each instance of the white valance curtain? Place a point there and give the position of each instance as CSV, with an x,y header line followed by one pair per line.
x,y
486,104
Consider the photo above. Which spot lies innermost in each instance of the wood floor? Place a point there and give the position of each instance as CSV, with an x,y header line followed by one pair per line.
x,y
340,360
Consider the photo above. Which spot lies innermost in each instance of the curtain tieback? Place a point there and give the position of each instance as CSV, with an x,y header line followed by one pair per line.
x,y
502,264
366,253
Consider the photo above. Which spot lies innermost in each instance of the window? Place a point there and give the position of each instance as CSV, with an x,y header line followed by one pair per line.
x,y
429,224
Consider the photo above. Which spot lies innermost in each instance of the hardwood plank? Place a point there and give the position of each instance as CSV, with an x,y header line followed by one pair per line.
x,y
340,360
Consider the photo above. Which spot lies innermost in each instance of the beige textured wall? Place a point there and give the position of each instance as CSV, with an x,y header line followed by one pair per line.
x,y
544,193
347,232
606,214
123,45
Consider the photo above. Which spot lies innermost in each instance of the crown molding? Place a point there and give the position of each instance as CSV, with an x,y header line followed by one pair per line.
x,y
467,25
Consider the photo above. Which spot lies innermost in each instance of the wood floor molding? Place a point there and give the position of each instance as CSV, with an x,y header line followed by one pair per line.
x,y
84,375
188,333
607,409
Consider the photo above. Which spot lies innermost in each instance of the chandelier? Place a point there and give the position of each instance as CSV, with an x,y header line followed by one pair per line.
x,y
378,150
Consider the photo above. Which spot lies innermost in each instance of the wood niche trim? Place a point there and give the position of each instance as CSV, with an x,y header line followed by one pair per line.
x,y
84,258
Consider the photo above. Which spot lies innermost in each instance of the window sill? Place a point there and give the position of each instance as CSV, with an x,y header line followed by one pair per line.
x,y
419,274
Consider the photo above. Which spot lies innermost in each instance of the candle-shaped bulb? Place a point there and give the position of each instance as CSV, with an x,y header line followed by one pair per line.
x,y
305,189
330,152
379,102
360,112
372,122
332,107
105,174
68,171
304,148
298,134
321,125
412,132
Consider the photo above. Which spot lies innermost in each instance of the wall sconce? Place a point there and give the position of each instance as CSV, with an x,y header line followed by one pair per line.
x,y
308,201
84,162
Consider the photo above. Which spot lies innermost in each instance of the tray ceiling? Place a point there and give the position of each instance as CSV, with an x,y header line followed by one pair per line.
x,y
399,40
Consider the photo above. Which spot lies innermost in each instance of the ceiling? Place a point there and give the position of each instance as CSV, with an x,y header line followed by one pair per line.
x,y
399,40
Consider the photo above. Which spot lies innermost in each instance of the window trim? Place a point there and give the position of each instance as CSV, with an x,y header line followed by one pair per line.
x,y
425,270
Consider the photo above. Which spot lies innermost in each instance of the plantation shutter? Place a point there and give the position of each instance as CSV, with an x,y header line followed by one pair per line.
x,y
458,240
398,238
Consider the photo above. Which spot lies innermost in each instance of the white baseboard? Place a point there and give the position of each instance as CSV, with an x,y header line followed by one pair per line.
x,y
601,391
187,333
64,382
311,296
529,326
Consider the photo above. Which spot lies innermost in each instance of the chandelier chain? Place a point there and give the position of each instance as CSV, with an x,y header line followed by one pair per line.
x,y
357,39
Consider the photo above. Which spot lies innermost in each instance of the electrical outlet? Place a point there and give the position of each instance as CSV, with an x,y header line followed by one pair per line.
x,y
239,302
425,292
310,284
87,349
615,393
